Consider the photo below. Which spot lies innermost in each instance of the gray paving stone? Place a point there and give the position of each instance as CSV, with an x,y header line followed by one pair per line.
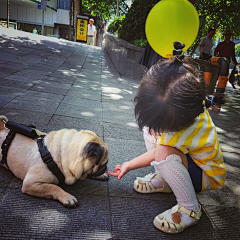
x,y
226,221
47,89
133,219
5,177
22,78
6,98
60,77
8,70
11,90
16,84
43,106
39,119
121,117
76,92
41,96
91,71
83,108
120,131
89,76
87,83
16,67
2,191
4,74
89,66
38,218
58,122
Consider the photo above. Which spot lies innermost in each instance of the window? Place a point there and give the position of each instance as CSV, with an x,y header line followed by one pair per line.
x,y
64,4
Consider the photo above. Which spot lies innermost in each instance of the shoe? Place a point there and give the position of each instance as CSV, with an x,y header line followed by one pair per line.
x,y
165,222
144,185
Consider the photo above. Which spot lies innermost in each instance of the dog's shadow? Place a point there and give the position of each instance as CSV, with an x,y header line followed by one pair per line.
x,y
87,187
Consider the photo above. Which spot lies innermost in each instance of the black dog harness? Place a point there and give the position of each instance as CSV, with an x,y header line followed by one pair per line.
x,y
31,133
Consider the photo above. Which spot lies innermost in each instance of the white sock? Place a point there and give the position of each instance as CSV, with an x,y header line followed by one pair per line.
x,y
176,175
156,183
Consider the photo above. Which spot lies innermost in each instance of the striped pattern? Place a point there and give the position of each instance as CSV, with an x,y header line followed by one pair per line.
x,y
200,141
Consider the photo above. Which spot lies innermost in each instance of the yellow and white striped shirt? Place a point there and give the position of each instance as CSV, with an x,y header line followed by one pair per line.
x,y
200,141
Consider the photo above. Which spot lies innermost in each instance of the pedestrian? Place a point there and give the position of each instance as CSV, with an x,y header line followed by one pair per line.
x,y
171,101
226,48
35,31
91,32
40,32
206,45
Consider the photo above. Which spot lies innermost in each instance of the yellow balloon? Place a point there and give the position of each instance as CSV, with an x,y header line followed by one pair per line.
x,y
170,21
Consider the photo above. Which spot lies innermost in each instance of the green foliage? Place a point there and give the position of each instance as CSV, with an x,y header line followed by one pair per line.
x,y
104,8
115,25
237,49
221,14
133,26
140,42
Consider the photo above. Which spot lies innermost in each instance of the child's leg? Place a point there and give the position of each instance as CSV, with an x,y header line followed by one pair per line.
x,y
152,182
172,165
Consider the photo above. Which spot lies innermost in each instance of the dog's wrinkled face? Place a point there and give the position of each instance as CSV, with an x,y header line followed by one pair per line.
x,y
95,154
98,156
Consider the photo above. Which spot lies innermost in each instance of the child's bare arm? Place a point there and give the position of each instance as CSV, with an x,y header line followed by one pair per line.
x,y
143,160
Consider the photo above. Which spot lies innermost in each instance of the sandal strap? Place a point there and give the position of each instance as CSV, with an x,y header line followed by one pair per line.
x,y
147,185
190,213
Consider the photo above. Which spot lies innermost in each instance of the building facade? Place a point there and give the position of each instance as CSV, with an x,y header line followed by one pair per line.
x,y
24,15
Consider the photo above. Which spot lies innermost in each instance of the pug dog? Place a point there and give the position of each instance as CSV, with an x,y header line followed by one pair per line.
x,y
76,154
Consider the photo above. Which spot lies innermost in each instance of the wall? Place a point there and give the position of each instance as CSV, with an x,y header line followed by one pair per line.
x,y
125,56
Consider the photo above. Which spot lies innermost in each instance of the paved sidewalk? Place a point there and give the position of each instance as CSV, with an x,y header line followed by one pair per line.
x,y
56,84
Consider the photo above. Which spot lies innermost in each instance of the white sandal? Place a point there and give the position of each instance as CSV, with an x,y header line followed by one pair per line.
x,y
165,222
144,185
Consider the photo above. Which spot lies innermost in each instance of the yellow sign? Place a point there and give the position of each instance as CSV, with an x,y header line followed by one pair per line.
x,y
81,29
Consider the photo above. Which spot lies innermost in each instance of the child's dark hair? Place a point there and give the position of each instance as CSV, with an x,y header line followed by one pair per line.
x,y
171,94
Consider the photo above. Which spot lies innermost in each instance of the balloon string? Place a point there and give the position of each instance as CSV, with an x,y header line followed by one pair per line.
x,y
180,55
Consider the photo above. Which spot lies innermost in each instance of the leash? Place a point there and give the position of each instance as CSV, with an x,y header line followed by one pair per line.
x,y
31,133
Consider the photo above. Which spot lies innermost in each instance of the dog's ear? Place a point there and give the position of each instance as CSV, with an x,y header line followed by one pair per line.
x,y
93,149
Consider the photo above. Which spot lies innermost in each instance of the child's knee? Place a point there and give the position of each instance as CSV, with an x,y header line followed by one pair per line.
x,y
163,151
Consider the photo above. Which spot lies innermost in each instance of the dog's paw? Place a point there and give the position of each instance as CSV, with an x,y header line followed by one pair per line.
x,y
70,201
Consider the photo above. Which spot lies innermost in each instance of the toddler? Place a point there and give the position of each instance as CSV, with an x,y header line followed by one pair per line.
x,y
181,139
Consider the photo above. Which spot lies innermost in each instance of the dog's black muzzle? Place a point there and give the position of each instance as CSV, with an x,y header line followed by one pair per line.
x,y
101,170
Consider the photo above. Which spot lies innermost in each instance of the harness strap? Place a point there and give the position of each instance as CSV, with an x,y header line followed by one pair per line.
x,y
5,146
47,158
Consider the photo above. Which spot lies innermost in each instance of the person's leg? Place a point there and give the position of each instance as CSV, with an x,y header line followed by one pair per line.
x,y
152,182
91,41
88,40
171,164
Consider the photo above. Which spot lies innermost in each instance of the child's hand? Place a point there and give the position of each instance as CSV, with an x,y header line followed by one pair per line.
x,y
120,170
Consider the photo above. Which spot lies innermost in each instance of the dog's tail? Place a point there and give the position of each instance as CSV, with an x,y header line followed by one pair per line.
x,y
3,120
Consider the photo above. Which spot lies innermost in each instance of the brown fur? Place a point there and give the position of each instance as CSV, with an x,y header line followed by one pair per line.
x,y
66,147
